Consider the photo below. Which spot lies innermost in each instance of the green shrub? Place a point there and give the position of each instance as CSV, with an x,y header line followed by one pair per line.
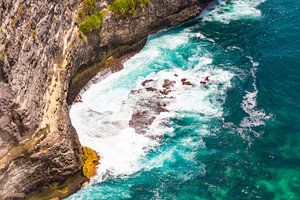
x,y
124,7
81,16
89,5
91,23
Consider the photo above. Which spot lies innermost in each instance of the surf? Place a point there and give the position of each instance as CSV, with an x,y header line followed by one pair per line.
x,y
178,70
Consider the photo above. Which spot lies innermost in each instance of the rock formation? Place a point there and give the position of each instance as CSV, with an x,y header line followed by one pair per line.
x,y
44,62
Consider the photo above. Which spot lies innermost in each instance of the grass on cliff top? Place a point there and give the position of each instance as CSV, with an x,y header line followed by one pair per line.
x,y
124,7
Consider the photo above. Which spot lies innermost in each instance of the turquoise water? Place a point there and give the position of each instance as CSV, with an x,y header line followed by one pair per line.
x,y
238,137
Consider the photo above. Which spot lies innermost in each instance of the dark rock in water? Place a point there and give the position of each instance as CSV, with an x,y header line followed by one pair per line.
x,y
167,83
165,91
161,109
78,99
146,108
184,81
206,80
144,83
134,91
140,121
187,83
151,89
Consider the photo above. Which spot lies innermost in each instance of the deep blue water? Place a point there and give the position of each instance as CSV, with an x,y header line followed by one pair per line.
x,y
237,138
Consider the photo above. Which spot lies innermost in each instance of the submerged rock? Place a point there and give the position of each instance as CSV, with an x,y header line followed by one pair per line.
x,y
205,81
167,83
146,107
151,89
165,92
144,83
184,81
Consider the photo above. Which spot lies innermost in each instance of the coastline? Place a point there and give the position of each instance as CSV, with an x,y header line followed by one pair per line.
x,y
110,63
54,83
111,66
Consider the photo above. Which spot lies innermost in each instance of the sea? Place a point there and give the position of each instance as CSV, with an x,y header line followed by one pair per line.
x,y
230,125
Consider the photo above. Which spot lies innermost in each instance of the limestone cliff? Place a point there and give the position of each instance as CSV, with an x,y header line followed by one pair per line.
x,y
45,60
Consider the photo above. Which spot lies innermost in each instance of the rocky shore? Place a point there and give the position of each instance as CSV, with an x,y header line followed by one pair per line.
x,y
45,60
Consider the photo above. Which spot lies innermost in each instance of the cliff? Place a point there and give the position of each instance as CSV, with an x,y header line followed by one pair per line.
x,y
46,56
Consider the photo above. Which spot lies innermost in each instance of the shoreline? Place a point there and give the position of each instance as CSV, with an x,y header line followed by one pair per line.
x,y
112,65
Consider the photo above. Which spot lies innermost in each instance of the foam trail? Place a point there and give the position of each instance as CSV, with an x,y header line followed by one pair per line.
x,y
225,11
256,117
203,37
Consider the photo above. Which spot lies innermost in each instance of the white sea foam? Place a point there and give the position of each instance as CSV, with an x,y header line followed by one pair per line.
x,y
233,10
169,41
256,117
102,118
203,37
203,61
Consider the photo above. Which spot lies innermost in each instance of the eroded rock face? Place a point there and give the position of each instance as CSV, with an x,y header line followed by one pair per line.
x,y
159,14
38,145
42,60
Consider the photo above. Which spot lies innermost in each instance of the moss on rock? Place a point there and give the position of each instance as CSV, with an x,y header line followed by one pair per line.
x,y
90,160
59,190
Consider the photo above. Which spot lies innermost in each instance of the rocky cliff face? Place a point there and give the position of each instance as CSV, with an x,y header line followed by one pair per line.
x,y
44,60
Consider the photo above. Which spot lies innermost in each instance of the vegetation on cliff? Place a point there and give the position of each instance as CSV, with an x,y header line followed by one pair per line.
x,y
88,18
124,7
91,23
89,5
